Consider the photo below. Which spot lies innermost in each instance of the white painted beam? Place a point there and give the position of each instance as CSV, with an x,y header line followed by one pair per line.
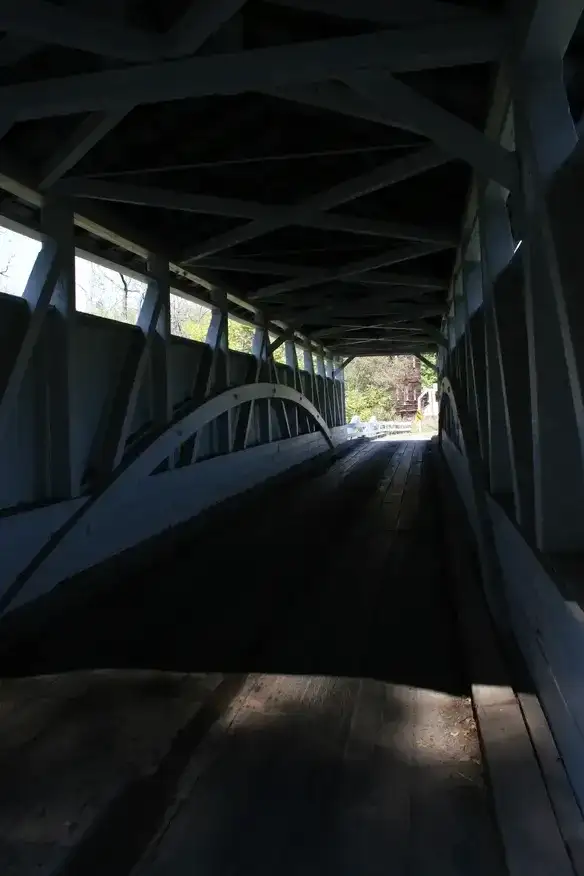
x,y
319,275
388,174
149,196
400,51
89,132
378,97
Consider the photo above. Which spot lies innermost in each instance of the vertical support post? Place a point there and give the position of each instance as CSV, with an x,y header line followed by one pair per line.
x,y
64,468
15,359
503,293
545,136
280,407
460,328
343,397
496,245
298,418
162,408
160,365
321,384
309,368
335,384
260,349
118,412
218,341
472,280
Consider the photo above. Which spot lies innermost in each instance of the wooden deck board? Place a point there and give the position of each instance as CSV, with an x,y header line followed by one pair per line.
x,y
351,751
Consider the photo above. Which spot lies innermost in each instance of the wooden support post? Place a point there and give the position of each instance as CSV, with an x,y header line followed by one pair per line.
x,y
118,412
297,419
503,289
161,401
64,465
545,136
219,375
476,339
496,252
311,377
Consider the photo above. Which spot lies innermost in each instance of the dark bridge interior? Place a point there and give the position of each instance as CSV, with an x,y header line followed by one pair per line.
x,y
326,203
232,638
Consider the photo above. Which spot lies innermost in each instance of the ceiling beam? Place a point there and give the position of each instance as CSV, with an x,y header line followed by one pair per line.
x,y
45,23
13,49
66,26
376,96
547,28
379,310
382,12
389,350
85,136
331,296
166,199
404,107
390,339
412,49
192,29
386,175
342,365
323,275
408,282
201,20
344,328
431,330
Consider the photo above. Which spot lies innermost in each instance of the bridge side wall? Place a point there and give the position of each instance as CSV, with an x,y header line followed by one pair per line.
x,y
513,438
548,625
260,441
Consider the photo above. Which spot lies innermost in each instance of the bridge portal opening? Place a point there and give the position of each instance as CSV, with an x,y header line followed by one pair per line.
x,y
392,396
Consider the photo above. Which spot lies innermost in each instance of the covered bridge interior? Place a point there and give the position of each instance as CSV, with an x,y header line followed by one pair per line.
x,y
234,637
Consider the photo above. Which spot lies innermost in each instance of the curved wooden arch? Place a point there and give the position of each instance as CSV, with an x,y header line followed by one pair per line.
x,y
165,443
159,449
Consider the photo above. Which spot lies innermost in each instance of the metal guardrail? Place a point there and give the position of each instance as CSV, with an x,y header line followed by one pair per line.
x,y
374,430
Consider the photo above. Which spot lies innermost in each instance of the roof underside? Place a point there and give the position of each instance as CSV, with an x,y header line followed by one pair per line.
x,y
364,269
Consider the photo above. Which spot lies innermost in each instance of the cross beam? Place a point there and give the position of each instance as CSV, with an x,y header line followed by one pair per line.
x,y
388,174
149,196
377,310
377,96
313,278
423,48
201,19
66,26
427,362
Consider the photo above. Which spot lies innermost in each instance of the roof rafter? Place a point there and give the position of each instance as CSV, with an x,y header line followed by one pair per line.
x,y
388,174
199,22
423,48
320,275
378,309
148,196
376,96
66,26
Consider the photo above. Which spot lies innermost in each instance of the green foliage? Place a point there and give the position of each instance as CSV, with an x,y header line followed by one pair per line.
x,y
427,374
240,337
372,401
196,329
371,385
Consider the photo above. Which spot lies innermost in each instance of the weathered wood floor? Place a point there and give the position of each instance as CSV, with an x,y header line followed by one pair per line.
x,y
349,749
